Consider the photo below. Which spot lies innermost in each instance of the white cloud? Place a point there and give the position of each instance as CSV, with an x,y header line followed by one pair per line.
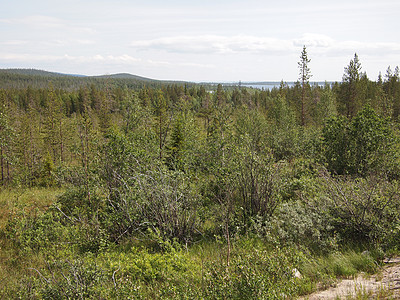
x,y
14,43
27,57
72,58
196,65
314,40
47,23
124,59
214,44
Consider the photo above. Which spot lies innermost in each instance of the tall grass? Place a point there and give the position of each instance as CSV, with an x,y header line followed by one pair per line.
x,y
13,203
27,199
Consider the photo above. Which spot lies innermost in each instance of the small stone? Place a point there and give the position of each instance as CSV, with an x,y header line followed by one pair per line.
x,y
296,273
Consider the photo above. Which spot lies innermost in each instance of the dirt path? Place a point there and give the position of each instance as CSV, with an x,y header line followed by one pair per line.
x,y
385,285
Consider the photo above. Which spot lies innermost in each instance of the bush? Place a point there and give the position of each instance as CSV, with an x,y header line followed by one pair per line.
x,y
255,274
297,223
363,210
158,199
62,280
365,145
34,233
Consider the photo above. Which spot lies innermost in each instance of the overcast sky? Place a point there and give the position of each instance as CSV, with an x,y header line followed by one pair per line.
x,y
207,40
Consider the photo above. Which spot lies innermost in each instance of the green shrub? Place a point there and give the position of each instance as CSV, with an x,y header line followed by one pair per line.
x,y
364,145
255,274
297,223
36,232
64,280
363,210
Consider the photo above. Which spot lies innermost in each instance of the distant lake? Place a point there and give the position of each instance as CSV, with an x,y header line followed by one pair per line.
x,y
271,85
266,86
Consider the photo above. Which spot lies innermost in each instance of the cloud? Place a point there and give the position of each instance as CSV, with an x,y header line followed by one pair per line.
x,y
215,44
124,59
35,21
24,57
196,65
44,23
314,40
15,57
14,43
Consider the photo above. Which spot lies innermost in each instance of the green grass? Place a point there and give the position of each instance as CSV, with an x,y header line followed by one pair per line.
x,y
156,269
341,265
360,293
13,202
28,199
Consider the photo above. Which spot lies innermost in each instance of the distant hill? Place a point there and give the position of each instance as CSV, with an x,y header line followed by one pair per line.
x,y
32,72
35,72
22,78
125,76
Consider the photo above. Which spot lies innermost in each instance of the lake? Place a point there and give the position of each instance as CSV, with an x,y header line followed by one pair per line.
x,y
271,85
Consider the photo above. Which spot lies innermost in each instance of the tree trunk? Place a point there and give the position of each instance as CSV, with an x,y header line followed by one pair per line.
x,y
2,165
61,143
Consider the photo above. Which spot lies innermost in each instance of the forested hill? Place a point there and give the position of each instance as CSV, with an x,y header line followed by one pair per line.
x,y
23,78
34,72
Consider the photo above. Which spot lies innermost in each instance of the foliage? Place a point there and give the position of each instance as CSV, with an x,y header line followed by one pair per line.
x,y
304,76
259,275
150,173
365,145
259,182
352,88
363,210
298,223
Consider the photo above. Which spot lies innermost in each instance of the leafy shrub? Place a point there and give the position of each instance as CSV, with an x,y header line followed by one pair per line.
x,y
297,223
365,145
364,209
159,199
36,232
258,274
63,280
259,182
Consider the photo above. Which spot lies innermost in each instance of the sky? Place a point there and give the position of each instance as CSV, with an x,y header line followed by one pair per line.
x,y
207,40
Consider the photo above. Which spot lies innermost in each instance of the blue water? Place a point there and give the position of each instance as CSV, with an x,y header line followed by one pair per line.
x,y
271,85
268,86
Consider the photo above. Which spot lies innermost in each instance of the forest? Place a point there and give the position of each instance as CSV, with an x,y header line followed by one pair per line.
x,y
128,188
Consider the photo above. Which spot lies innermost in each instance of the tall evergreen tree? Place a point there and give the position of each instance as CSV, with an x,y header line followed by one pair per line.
x,y
6,139
351,87
304,76
162,121
391,87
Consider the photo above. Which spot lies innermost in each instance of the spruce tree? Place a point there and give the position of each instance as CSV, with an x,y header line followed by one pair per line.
x,y
351,87
304,76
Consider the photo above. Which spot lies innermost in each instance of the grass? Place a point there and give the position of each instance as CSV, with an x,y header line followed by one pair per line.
x,y
341,264
323,272
133,264
361,293
13,201
28,199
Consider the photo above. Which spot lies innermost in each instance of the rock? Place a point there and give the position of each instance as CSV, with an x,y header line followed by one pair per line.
x,y
296,273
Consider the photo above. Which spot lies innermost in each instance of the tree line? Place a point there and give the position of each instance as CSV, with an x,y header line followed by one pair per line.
x,y
43,125
302,169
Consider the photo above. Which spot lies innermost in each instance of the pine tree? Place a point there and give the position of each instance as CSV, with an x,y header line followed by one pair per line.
x,y
162,121
392,89
176,145
6,139
351,86
304,76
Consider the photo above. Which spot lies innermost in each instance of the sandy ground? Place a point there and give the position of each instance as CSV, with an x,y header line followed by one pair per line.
x,y
384,285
